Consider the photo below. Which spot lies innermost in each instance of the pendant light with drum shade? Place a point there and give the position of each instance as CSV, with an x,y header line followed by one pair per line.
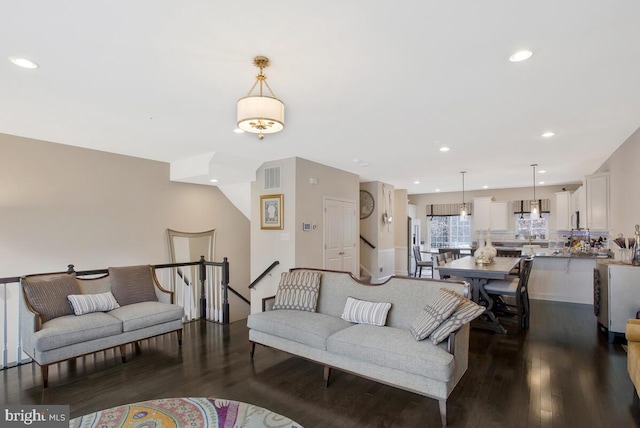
x,y
463,207
535,206
260,114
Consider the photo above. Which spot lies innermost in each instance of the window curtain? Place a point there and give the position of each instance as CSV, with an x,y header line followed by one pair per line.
x,y
447,209
524,206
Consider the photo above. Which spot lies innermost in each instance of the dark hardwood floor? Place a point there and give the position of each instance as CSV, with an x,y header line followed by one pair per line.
x,y
561,373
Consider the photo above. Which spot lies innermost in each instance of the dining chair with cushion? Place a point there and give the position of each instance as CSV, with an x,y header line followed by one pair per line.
x,y
511,252
421,263
455,252
440,261
516,288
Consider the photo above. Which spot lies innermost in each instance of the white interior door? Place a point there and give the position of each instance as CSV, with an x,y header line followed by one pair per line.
x,y
340,235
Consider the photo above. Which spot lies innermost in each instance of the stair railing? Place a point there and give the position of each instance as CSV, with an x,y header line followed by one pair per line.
x,y
263,274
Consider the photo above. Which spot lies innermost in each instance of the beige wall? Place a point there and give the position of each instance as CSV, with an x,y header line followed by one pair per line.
x,y
624,186
542,192
331,183
379,262
303,202
61,204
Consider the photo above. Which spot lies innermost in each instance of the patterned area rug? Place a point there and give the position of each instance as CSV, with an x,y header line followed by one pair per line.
x,y
185,412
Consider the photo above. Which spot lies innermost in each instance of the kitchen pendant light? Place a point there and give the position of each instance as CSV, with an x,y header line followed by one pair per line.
x,y
463,207
260,114
535,207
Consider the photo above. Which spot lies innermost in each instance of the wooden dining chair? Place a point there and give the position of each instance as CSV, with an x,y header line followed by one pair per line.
x,y
455,252
421,263
511,252
518,289
440,261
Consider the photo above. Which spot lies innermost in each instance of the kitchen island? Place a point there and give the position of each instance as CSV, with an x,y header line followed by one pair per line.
x,y
563,278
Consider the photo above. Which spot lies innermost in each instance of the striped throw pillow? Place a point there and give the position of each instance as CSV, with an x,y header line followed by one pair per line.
x,y
298,290
87,303
363,312
434,314
466,312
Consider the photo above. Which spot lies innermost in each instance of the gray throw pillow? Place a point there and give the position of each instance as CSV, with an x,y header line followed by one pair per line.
x,y
48,297
364,312
466,312
132,284
434,314
87,303
298,290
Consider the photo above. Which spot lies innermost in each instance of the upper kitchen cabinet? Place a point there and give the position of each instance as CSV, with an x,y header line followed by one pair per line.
x,y
563,210
488,214
597,201
500,215
578,209
482,213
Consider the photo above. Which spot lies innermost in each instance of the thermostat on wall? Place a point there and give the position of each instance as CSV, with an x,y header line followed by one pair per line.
x,y
306,227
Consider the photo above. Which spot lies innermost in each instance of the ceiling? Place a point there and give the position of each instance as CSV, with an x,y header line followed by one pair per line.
x,y
383,84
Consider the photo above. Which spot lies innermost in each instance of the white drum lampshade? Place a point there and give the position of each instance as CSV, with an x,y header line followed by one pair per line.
x,y
260,114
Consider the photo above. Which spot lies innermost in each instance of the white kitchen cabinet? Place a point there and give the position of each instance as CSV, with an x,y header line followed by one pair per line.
x,y
616,296
578,209
499,215
563,211
597,201
481,214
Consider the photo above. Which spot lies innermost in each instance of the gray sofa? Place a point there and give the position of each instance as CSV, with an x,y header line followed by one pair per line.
x,y
389,354
52,332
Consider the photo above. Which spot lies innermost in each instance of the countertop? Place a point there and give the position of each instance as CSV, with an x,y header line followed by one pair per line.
x,y
575,256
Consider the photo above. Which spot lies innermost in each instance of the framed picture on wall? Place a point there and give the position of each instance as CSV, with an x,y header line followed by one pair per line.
x,y
271,211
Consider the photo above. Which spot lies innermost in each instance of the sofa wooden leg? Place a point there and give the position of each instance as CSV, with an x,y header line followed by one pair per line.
x,y
179,332
443,411
253,349
44,370
326,376
123,353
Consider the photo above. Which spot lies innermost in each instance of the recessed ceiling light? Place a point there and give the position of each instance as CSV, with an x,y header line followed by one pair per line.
x,y
356,160
437,190
213,180
444,149
238,131
23,62
542,182
548,134
542,171
365,164
520,56
416,182
485,187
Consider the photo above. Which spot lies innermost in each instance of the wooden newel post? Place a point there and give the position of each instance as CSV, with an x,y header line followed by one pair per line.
x,y
225,283
203,297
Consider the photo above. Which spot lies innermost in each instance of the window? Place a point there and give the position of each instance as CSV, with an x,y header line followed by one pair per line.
x,y
528,228
449,232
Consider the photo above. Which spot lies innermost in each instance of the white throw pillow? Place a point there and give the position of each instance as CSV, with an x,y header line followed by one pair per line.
x,y
363,312
87,303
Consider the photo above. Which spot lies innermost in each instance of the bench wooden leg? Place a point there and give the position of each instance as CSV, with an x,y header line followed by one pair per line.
x,y
44,370
123,353
326,376
253,349
443,411
179,332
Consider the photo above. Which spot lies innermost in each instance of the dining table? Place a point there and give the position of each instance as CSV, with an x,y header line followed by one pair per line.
x,y
478,275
